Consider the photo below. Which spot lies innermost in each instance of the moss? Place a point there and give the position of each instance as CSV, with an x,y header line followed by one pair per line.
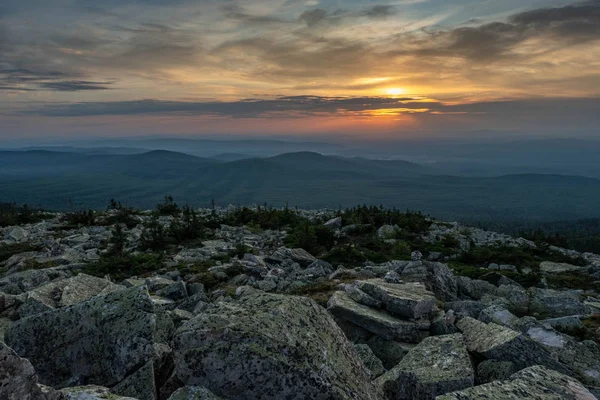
x,y
320,291
9,250
124,266
475,272
572,281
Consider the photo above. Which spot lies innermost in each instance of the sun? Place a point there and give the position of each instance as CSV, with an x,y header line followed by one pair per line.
x,y
395,91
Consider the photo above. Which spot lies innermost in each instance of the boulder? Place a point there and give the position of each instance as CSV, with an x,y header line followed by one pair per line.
x,y
375,321
553,303
25,281
437,365
474,289
536,382
387,232
193,393
410,300
139,384
65,292
570,324
515,297
18,380
499,315
373,364
493,370
301,256
495,342
388,351
466,308
549,267
15,234
265,346
91,392
583,358
334,223
100,341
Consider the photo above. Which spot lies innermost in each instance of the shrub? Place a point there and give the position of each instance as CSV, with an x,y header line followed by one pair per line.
x,y
168,206
123,266
9,250
78,218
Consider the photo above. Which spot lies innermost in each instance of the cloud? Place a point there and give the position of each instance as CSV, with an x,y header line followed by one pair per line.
x,y
75,86
553,110
21,79
314,17
578,22
380,11
286,106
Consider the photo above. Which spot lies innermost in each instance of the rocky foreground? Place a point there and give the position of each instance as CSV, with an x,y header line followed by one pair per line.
x,y
238,315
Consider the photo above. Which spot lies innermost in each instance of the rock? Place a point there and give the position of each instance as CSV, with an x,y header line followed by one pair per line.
x,y
334,224
91,393
436,366
378,322
387,232
495,342
65,292
474,289
175,291
492,370
156,283
410,300
265,346
361,297
552,303
100,341
416,255
536,382
370,360
18,380
500,316
443,323
392,277
388,351
582,358
301,256
517,298
25,281
15,234
549,267
503,267
466,308
436,277
193,393
570,324
139,385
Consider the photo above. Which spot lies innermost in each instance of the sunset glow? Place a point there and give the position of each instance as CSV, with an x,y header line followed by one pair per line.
x,y
494,66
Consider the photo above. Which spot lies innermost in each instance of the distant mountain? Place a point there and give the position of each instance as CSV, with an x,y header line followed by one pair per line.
x,y
56,180
211,148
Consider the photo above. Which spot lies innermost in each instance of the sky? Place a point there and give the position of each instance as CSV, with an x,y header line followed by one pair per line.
x,y
308,68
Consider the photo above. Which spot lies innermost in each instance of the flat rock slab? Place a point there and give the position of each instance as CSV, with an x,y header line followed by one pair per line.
x,y
100,341
91,393
492,341
549,267
553,303
18,380
408,300
438,365
535,383
263,346
65,292
379,322
193,393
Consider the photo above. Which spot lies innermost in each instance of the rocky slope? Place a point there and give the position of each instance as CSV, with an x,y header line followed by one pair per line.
x,y
410,309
